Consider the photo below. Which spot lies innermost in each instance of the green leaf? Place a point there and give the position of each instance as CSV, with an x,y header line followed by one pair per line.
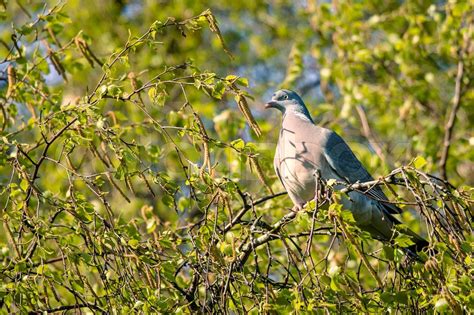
x,y
401,297
121,171
387,297
226,248
218,90
419,162
334,285
157,95
133,243
231,77
40,269
114,90
24,184
242,82
239,144
403,240
150,226
388,252
325,279
441,305
152,93
347,216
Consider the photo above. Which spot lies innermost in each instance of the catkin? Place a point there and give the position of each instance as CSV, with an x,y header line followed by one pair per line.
x,y
244,108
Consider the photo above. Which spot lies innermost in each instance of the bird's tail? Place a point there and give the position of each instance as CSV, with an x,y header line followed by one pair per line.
x,y
420,244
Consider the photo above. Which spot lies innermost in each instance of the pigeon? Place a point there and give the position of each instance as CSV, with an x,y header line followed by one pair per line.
x,y
305,149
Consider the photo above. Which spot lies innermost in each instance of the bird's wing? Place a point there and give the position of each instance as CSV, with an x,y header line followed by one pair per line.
x,y
345,164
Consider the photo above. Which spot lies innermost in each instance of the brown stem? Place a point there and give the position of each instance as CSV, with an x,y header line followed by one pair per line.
x,y
452,120
368,134
359,251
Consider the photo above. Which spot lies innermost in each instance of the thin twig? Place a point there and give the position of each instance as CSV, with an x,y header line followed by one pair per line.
x,y
452,120
369,134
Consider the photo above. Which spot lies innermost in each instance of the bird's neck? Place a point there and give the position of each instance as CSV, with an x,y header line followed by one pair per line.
x,y
298,115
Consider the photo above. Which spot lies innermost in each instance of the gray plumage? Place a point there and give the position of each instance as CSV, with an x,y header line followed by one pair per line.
x,y
304,147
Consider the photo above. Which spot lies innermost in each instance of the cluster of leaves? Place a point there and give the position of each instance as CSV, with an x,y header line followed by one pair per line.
x,y
129,180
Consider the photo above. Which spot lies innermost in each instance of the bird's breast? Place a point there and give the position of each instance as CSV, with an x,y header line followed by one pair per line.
x,y
297,165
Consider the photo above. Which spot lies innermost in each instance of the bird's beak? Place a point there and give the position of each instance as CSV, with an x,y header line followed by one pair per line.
x,y
271,104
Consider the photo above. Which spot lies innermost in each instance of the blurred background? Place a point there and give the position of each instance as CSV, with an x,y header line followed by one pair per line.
x,y
135,115
381,73
393,62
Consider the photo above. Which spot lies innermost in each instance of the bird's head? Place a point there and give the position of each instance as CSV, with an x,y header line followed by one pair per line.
x,y
287,101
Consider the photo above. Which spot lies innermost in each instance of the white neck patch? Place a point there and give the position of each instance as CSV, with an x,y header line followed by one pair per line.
x,y
299,115
302,116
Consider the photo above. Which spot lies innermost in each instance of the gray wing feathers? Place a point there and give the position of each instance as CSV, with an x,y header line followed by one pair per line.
x,y
345,164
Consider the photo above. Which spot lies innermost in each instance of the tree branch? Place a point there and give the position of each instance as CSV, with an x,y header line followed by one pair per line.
x,y
452,120
70,307
247,207
368,134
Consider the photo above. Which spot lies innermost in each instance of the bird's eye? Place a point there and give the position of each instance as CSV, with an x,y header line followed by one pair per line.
x,y
284,97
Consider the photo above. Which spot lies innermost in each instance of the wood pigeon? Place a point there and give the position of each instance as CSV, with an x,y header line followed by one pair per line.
x,y
304,148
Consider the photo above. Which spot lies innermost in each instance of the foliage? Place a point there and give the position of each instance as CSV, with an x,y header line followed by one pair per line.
x,y
134,175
